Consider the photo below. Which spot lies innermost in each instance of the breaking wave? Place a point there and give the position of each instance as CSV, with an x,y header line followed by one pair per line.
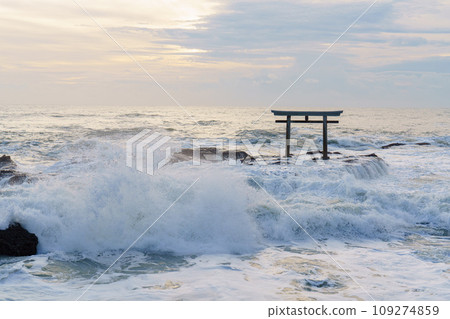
x,y
98,206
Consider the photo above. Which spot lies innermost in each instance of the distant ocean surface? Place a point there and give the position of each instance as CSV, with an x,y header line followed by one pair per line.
x,y
383,225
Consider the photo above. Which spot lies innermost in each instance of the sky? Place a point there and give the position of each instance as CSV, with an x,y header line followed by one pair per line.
x,y
225,53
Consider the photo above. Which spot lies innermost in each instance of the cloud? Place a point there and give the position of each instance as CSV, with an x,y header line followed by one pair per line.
x,y
409,41
436,64
227,52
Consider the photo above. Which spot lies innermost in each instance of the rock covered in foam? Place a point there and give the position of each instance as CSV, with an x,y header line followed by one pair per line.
x,y
8,171
6,162
210,154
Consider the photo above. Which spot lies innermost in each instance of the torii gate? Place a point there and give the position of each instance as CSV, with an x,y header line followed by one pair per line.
x,y
307,114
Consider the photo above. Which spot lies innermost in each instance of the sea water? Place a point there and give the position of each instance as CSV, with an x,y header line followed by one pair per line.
x,y
367,229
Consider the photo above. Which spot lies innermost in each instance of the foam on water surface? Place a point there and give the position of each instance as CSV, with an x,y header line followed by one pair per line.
x,y
383,218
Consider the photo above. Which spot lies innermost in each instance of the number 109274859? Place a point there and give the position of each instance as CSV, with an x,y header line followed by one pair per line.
x,y
405,310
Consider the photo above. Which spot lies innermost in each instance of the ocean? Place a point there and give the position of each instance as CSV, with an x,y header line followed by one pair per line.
x,y
351,228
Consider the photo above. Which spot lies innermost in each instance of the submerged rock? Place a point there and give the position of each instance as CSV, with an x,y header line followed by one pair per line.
x,y
370,155
17,241
403,144
321,152
392,145
210,154
355,159
17,179
7,165
8,170
240,155
5,160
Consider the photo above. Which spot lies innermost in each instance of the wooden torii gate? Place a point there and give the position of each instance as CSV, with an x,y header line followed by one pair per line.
x,y
307,114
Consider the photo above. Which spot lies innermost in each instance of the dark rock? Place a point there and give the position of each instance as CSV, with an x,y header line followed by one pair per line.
x,y
6,173
241,155
370,155
187,151
205,152
5,159
6,163
17,241
392,145
8,170
402,144
423,143
7,166
356,159
210,154
17,179
320,152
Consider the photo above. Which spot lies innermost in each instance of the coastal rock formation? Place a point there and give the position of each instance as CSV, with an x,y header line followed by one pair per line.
x,y
8,171
423,143
392,145
403,144
354,159
210,154
6,161
17,241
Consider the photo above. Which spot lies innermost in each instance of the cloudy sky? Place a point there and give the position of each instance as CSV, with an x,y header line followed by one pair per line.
x,y
225,52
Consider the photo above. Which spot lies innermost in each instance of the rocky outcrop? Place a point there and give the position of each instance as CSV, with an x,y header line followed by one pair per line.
x,y
8,171
392,145
403,144
6,161
355,159
17,241
210,154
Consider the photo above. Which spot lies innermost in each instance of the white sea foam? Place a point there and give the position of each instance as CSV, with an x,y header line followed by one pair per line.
x,y
99,204
86,207
108,208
